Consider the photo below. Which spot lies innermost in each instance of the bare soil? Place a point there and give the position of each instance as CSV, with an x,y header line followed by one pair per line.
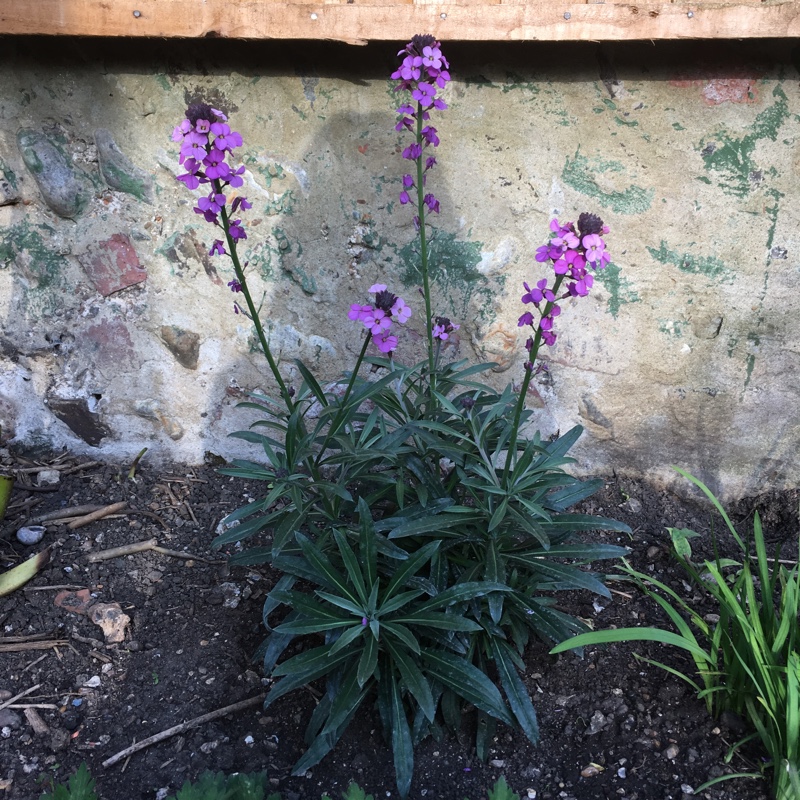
x,y
612,725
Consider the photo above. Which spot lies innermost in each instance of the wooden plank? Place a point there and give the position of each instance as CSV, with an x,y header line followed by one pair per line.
x,y
364,20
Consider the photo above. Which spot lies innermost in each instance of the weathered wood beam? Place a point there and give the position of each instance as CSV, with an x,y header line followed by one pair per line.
x,y
359,21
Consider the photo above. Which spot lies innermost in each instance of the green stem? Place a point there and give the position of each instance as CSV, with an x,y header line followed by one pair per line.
x,y
334,427
423,251
262,339
534,353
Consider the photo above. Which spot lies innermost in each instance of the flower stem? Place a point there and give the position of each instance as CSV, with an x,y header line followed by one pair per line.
x,y
334,427
423,251
262,339
511,454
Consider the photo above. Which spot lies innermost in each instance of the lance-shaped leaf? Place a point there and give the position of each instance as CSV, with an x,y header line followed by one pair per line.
x,y
15,578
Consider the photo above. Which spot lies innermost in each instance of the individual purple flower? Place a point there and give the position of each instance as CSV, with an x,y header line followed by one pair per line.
x,y
214,203
236,230
190,180
541,292
432,203
357,311
570,260
525,319
594,247
581,287
239,202
400,311
443,327
377,321
404,198
217,249
412,152
364,621
385,343
235,286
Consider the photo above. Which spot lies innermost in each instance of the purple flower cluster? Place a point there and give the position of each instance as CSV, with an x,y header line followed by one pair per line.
x,y
206,141
423,72
573,251
378,318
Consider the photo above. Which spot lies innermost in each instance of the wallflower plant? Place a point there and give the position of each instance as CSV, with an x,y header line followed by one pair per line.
x,y
419,538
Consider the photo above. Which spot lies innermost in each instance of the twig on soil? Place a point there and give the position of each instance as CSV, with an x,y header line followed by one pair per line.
x,y
140,547
35,662
57,586
95,515
79,467
123,550
45,644
62,513
184,726
18,696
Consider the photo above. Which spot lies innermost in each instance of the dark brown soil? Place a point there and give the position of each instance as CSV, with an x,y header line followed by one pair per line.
x,y
195,623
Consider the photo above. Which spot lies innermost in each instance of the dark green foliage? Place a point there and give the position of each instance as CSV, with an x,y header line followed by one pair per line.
x,y
427,544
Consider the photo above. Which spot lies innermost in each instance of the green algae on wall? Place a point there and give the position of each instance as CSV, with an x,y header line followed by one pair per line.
x,y
618,288
579,173
453,268
732,157
41,269
710,266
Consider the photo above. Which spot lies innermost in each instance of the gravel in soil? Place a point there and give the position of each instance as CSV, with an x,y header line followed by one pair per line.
x,y
612,725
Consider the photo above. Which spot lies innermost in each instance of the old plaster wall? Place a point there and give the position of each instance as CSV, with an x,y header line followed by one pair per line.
x,y
118,329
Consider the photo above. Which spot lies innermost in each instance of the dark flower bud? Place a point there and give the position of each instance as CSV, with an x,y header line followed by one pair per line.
x,y
589,223
290,391
385,300
198,111
420,41
467,403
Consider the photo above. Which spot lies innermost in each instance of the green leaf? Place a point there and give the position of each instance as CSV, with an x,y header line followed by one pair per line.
x,y
467,681
367,540
517,694
368,661
502,791
352,566
415,681
630,635
401,740
321,665
324,568
81,787
403,634
311,382
347,638
680,541
462,592
436,619
409,568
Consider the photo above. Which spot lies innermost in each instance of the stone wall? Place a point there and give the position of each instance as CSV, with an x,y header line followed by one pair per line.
x,y
118,330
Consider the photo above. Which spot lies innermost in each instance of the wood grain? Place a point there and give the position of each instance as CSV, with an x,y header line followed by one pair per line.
x,y
360,21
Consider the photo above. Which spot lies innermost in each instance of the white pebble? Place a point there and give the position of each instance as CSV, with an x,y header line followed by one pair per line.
x,y
31,535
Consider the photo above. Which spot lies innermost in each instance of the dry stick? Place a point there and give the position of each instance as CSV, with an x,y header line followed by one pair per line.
x,y
17,696
184,726
61,513
124,550
22,646
140,547
79,467
103,512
